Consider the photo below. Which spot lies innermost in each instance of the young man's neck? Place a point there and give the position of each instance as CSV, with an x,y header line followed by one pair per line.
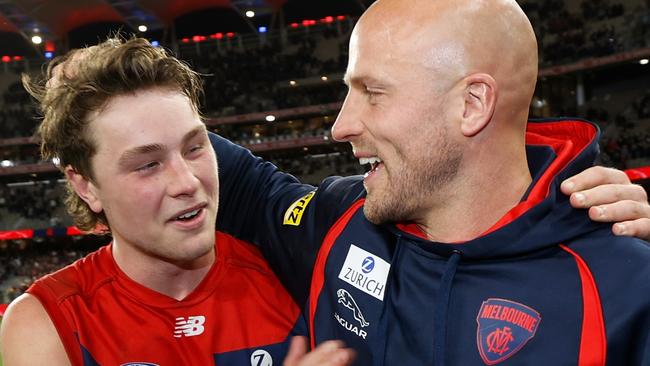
x,y
176,280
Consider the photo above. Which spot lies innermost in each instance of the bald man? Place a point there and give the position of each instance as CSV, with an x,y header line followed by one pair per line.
x,y
458,246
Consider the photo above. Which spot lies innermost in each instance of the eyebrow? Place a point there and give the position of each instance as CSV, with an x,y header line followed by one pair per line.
x,y
133,153
362,79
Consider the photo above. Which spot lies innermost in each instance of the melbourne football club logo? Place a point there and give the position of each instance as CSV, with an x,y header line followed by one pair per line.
x,y
504,327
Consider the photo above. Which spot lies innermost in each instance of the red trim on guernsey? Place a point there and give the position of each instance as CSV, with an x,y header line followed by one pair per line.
x,y
568,139
412,229
318,276
593,342
3,308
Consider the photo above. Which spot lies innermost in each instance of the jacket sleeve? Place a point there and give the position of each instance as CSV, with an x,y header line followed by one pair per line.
x,y
286,219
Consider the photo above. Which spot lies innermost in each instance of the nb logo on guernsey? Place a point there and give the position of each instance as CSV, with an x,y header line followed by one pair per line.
x,y
193,326
504,327
365,271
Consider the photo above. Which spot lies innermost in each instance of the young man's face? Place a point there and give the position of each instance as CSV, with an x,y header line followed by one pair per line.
x,y
155,175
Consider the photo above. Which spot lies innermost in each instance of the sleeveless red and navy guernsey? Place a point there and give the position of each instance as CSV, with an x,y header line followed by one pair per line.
x,y
238,315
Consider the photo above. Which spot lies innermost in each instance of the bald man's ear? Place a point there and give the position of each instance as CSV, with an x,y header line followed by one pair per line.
x,y
480,99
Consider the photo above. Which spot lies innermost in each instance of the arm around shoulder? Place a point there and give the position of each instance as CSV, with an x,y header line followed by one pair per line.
x,y
28,336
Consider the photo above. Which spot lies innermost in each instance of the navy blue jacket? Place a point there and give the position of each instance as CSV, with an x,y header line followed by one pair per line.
x,y
544,286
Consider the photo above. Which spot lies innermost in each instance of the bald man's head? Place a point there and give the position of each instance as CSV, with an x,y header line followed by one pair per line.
x,y
455,38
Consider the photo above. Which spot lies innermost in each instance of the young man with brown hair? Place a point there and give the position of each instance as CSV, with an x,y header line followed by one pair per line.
x,y
123,118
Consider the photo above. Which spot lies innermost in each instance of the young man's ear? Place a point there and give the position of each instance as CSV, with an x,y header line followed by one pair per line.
x,y
84,188
480,99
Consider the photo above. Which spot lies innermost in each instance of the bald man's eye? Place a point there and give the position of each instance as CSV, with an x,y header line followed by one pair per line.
x,y
372,95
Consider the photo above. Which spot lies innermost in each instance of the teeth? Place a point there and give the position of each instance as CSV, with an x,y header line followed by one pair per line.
x,y
189,214
372,160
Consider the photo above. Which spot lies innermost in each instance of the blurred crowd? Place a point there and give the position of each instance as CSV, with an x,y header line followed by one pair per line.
x,y
17,115
625,139
23,261
36,205
592,28
258,79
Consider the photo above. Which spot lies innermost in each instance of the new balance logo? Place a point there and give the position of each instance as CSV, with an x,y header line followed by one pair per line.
x,y
193,326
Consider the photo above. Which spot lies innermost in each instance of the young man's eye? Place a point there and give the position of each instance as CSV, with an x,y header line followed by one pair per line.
x,y
147,166
195,149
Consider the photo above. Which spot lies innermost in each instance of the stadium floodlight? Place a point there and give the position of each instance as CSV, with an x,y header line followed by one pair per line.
x,y
324,78
37,39
250,13
292,83
6,163
142,28
270,118
643,61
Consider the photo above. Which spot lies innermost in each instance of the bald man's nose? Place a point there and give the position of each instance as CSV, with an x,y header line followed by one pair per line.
x,y
348,123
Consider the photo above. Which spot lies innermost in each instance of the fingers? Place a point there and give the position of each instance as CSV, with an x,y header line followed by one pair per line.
x,y
639,228
330,353
297,349
592,177
620,211
609,193
633,218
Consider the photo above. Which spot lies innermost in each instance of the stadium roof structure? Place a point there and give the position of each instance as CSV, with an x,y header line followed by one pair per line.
x,y
65,20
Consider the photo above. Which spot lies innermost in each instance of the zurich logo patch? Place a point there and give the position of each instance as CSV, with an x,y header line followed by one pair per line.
x,y
504,327
365,271
368,264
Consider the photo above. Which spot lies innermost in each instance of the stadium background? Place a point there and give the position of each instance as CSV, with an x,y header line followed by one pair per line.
x,y
274,84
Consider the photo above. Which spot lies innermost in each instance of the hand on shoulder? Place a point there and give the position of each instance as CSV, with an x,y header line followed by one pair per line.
x,y
609,196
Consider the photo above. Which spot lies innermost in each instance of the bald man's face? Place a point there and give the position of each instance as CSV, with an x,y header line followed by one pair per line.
x,y
397,116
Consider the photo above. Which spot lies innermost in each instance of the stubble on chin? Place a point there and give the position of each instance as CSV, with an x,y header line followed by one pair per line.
x,y
402,200
385,206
